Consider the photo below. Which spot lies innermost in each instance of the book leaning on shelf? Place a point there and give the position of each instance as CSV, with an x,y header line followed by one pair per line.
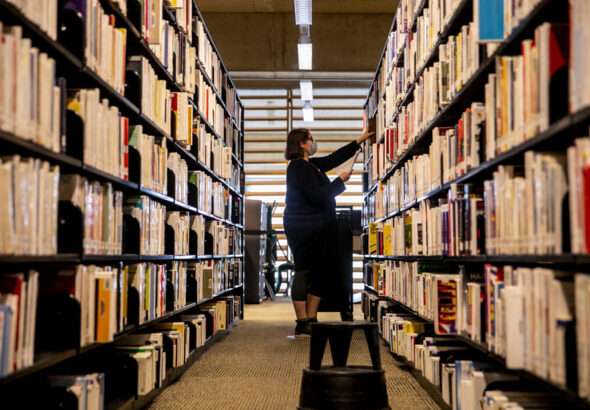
x,y
18,312
105,132
179,223
150,217
197,226
86,390
30,96
101,293
179,169
209,106
214,153
207,56
101,212
147,282
152,154
29,206
182,118
209,195
104,46
150,93
178,278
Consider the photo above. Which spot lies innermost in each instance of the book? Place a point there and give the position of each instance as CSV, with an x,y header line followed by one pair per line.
x,y
32,112
150,217
105,133
104,45
579,90
18,296
29,206
43,15
179,223
153,97
101,208
89,389
179,168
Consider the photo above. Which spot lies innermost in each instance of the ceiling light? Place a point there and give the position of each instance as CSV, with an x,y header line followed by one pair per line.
x,y
304,52
307,112
302,12
306,90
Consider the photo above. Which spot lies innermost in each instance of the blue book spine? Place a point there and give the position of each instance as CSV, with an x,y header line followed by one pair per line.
x,y
491,20
4,365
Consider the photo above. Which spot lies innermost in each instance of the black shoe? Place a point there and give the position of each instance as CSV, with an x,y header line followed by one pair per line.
x,y
303,327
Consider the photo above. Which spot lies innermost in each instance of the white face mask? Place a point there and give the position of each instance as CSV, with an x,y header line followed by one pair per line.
x,y
314,148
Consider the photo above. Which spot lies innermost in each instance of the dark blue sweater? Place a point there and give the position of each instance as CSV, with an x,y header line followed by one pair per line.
x,y
310,194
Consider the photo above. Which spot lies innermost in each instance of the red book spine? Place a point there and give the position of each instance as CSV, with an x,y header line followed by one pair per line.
x,y
125,121
587,207
460,148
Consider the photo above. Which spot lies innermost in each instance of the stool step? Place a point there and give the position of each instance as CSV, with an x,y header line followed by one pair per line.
x,y
360,324
344,388
344,371
339,334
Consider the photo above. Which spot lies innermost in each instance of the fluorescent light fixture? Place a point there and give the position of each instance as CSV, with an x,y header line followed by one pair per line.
x,y
306,90
304,52
307,112
302,12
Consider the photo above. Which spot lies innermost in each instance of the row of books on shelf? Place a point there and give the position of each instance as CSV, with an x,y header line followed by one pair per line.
x,y
212,196
36,197
535,318
522,98
210,107
104,46
152,18
150,360
458,60
173,48
29,209
106,134
214,154
108,300
475,219
41,102
464,378
44,14
31,97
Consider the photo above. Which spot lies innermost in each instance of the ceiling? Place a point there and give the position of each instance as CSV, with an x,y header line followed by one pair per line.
x,y
286,6
347,35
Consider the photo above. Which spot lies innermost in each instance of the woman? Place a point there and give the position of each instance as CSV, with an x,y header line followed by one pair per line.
x,y
310,217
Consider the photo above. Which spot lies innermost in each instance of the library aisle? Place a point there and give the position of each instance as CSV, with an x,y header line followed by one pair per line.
x,y
264,368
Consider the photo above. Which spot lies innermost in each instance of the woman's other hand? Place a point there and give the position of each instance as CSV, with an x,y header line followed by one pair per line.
x,y
345,175
364,136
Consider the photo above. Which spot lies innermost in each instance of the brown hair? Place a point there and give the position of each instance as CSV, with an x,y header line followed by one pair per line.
x,y
295,137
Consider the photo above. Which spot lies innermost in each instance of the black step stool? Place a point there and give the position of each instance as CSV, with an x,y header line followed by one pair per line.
x,y
342,387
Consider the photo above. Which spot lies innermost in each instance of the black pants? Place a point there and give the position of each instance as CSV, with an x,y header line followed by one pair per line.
x,y
311,242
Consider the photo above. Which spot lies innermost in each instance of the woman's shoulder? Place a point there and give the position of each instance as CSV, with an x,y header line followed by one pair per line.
x,y
297,163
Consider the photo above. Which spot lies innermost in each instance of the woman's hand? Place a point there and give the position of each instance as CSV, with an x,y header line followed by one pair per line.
x,y
345,175
364,136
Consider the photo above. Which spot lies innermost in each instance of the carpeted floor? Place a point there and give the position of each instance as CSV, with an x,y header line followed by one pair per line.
x,y
257,367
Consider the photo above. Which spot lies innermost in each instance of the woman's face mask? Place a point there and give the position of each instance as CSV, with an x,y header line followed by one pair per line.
x,y
313,149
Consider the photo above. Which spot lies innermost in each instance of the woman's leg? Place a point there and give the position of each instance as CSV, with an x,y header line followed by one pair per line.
x,y
313,304
298,294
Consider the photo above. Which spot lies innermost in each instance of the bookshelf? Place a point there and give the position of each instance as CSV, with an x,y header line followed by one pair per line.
x,y
176,283
407,243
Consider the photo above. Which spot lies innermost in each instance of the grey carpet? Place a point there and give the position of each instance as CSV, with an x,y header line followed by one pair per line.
x,y
257,367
